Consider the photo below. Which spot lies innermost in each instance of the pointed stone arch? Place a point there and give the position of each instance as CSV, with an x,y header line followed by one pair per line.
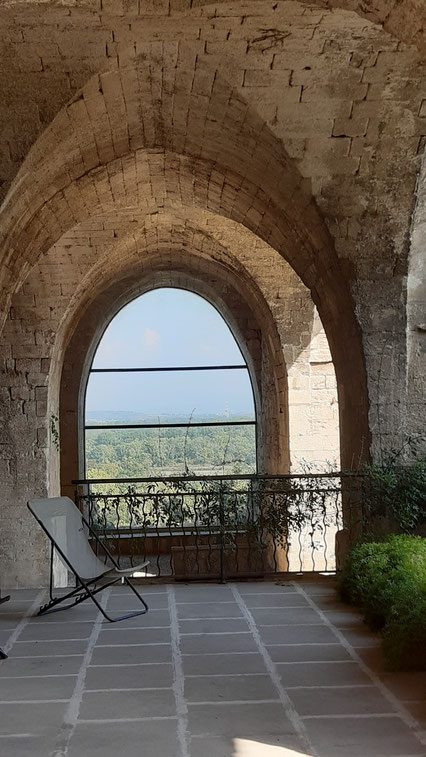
x,y
130,141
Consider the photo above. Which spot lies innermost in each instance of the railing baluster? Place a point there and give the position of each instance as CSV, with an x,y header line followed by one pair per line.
x,y
244,522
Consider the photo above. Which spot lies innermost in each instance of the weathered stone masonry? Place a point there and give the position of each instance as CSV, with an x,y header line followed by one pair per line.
x,y
275,144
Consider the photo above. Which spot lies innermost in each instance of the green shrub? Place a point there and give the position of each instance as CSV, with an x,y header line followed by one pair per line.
x,y
395,494
388,581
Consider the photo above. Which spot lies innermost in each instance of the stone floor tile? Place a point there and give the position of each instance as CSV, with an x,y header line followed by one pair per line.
x,y
344,618
307,652
321,674
47,687
214,643
129,676
354,737
339,701
239,719
122,655
321,585
285,617
27,746
81,613
127,656
266,745
311,634
153,618
20,594
37,718
263,587
121,603
7,624
15,609
207,610
212,625
283,599
48,648
49,631
223,664
113,705
202,593
137,739
117,635
38,666
229,688
141,585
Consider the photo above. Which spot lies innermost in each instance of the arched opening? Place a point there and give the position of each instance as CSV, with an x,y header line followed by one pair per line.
x,y
231,295
168,393
241,172
142,195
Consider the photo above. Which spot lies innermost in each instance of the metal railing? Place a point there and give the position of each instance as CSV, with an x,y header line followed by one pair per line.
x,y
226,526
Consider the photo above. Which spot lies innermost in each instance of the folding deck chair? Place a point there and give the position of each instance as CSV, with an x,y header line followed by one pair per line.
x,y
65,526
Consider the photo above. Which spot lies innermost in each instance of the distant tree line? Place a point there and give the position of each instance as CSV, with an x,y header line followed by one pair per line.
x,y
134,453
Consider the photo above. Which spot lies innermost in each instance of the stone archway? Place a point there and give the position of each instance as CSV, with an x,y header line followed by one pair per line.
x,y
188,151
242,307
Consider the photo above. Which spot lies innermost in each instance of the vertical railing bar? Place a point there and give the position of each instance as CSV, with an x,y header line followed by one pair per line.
x,y
197,534
222,535
156,499
308,509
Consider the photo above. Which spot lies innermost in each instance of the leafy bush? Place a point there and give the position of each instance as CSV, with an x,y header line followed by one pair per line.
x,y
395,494
388,581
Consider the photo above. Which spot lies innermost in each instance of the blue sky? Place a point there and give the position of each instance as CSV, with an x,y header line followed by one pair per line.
x,y
162,328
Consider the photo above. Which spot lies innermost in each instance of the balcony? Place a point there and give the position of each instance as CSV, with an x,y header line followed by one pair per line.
x,y
247,669
233,526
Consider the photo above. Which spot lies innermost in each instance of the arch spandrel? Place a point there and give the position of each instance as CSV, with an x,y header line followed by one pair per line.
x,y
405,20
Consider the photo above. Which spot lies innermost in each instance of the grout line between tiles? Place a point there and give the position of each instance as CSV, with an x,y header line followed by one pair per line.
x,y
178,677
122,688
32,701
125,664
351,716
23,622
152,718
229,702
40,675
72,712
216,633
411,722
288,708
136,644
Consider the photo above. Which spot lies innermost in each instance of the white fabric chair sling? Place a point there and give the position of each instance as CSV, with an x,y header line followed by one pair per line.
x,y
66,528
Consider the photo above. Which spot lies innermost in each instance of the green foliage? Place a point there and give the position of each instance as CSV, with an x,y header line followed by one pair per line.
x,y
388,580
129,453
395,494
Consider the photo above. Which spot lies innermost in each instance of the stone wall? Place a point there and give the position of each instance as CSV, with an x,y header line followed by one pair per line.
x,y
50,321
280,140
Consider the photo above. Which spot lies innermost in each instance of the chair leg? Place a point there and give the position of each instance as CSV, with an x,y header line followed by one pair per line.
x,y
81,594
135,591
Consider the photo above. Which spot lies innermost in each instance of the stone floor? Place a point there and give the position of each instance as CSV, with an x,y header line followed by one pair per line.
x,y
241,670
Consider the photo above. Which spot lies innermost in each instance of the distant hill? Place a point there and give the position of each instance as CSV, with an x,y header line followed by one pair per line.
x,y
106,417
